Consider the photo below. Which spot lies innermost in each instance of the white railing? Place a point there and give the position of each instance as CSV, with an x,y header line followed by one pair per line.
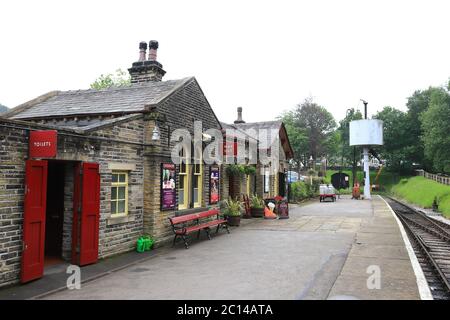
x,y
434,177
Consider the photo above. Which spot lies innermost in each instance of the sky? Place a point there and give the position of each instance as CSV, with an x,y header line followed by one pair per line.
x,y
265,56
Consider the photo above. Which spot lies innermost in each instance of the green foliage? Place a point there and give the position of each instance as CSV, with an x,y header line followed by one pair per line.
x,y
310,129
257,202
301,190
343,133
120,78
250,170
298,191
422,191
318,124
436,130
297,137
235,170
232,207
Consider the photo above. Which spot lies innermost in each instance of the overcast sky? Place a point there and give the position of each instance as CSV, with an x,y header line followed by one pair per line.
x,y
265,56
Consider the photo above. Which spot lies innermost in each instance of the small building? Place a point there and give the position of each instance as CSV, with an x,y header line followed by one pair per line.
x,y
269,180
84,173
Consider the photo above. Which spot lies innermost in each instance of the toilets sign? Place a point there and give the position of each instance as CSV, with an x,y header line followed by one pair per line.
x,y
43,144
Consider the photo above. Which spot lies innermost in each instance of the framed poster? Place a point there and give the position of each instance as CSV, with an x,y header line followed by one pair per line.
x,y
168,186
214,196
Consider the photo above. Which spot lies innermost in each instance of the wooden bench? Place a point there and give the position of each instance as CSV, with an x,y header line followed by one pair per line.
x,y
186,224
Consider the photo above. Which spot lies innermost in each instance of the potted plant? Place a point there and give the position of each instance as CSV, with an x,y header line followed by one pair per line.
x,y
257,207
236,170
232,212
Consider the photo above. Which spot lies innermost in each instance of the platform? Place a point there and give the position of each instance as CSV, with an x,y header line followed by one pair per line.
x,y
380,246
321,252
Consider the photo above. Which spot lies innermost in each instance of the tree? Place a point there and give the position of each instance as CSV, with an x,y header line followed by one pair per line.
x,y
121,78
436,128
297,138
317,124
417,104
345,150
3,108
396,138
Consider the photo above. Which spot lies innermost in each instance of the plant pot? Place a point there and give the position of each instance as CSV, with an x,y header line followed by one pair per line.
x,y
234,221
257,212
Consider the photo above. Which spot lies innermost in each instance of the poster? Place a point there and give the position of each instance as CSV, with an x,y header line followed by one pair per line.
x,y
168,186
214,186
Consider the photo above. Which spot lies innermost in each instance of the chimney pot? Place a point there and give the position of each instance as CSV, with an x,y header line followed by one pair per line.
x,y
142,50
153,49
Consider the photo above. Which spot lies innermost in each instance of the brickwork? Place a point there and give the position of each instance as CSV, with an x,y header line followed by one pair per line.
x,y
116,235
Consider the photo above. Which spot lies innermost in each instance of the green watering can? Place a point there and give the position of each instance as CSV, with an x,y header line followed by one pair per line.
x,y
144,243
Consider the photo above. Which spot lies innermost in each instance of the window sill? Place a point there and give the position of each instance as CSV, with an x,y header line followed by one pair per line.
x,y
113,220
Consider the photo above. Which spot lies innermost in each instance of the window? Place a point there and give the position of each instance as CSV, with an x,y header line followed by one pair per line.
x,y
183,183
119,193
197,184
266,180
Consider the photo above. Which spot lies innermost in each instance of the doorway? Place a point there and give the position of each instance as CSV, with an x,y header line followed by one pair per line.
x,y
54,215
71,210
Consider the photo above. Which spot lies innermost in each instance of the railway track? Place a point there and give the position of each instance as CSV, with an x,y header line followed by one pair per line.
x,y
431,242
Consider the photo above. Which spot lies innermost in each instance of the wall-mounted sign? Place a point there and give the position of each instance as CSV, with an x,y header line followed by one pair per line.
x,y
214,185
43,144
229,148
168,186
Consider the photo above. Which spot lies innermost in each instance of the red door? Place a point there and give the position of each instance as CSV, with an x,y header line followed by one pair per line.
x,y
90,213
34,220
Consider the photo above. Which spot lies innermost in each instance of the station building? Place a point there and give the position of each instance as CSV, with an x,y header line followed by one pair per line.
x,y
84,173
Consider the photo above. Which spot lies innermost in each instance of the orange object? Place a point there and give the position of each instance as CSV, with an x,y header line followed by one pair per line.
x,y
269,214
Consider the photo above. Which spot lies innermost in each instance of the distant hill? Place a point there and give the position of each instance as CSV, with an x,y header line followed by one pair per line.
x,y
3,108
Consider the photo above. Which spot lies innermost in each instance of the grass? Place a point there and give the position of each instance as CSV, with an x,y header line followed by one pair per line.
x,y
422,191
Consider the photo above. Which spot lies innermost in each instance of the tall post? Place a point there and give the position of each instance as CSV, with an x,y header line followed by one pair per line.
x,y
365,109
366,173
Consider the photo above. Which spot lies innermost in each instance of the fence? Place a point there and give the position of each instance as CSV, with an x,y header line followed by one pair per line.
x,y
434,177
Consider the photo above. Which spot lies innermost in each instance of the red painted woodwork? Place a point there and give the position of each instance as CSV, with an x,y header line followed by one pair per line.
x,y
90,213
34,220
43,144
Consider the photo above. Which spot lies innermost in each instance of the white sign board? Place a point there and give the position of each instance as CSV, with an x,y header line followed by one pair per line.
x,y
366,132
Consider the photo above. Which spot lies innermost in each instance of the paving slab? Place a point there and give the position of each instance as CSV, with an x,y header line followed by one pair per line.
x,y
378,266
321,252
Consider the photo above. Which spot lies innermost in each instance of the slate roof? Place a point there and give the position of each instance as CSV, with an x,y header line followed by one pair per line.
x,y
267,140
116,100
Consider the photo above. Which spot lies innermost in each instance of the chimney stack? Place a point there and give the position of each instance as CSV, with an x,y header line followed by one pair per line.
x,y
239,119
146,70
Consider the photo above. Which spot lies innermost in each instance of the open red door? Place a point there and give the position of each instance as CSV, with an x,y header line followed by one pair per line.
x,y
34,220
90,213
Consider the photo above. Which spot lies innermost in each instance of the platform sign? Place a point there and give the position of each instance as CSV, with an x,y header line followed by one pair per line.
x,y
43,144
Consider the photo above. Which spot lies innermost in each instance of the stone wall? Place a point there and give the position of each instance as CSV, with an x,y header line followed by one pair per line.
x,y
116,235
13,150
180,110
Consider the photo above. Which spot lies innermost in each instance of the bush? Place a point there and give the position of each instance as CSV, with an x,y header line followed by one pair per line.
x,y
299,191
